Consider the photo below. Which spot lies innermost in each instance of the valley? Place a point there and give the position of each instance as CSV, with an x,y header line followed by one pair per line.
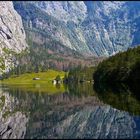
x,y
86,27
69,69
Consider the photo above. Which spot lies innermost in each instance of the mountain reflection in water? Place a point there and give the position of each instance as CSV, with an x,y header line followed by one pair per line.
x,y
83,111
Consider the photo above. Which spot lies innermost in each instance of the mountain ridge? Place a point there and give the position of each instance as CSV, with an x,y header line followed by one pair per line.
x,y
95,28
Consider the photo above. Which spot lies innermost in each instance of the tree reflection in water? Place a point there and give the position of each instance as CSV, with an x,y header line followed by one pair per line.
x,y
124,97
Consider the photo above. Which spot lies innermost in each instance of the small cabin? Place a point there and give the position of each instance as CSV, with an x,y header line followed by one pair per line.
x,y
36,78
54,82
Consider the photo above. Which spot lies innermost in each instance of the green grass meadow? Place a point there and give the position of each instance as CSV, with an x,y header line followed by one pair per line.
x,y
44,84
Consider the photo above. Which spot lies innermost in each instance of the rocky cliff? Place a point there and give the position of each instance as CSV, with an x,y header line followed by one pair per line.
x,y
12,36
97,123
91,27
12,122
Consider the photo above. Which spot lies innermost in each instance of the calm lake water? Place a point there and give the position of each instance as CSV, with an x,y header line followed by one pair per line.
x,y
82,111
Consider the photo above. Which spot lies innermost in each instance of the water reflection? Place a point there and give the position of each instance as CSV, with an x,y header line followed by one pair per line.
x,y
12,120
79,112
120,96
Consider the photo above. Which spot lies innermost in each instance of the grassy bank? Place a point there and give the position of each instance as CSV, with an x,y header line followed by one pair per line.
x,y
44,84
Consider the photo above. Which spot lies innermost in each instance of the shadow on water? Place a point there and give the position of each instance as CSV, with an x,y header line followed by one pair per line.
x,y
121,96
80,89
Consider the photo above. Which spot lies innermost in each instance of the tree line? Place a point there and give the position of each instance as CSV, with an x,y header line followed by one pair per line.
x,y
124,67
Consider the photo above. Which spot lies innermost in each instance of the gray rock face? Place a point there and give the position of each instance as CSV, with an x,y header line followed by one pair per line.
x,y
66,10
14,127
12,36
110,27
12,122
90,27
105,121
97,122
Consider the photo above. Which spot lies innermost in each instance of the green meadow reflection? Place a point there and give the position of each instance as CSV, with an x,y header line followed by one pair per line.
x,y
120,96
32,101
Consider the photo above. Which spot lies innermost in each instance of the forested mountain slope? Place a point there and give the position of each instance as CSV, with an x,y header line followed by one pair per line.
x,y
123,67
98,28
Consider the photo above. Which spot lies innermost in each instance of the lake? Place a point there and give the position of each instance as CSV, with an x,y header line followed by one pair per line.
x,y
81,111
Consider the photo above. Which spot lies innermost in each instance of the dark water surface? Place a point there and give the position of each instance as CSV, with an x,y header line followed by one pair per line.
x,y
83,111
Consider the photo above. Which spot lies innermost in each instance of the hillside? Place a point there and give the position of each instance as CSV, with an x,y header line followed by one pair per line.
x,y
124,67
97,28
